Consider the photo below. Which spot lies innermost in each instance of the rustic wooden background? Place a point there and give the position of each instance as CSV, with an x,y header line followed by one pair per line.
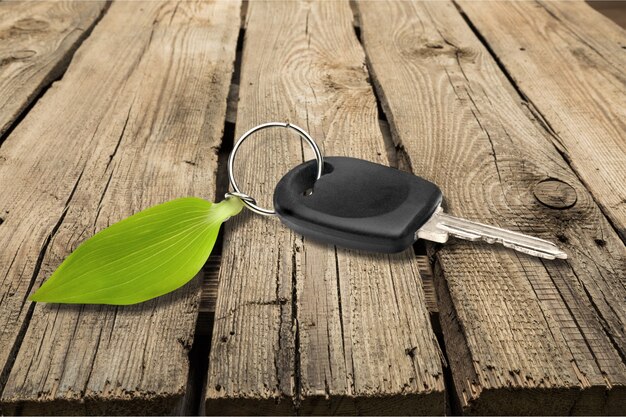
x,y
516,110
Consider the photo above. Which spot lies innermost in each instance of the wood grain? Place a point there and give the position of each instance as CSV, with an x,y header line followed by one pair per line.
x,y
569,60
523,336
135,121
37,40
299,326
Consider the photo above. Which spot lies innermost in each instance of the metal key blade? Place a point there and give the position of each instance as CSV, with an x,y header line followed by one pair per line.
x,y
440,225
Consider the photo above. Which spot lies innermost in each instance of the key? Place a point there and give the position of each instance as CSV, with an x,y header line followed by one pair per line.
x,y
362,205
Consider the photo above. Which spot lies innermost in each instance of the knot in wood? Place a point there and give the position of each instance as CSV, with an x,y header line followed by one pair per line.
x,y
555,194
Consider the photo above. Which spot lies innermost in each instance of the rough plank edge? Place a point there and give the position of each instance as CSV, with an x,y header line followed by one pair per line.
x,y
582,401
396,404
473,398
146,405
281,406
515,400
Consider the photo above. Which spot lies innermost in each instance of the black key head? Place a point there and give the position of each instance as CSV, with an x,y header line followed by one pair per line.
x,y
356,204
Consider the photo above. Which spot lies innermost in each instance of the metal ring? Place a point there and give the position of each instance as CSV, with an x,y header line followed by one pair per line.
x,y
241,196
231,161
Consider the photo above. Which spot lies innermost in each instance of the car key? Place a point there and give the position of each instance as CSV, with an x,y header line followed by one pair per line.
x,y
368,206
344,201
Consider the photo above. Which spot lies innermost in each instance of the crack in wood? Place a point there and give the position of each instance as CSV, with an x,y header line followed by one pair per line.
x,y
44,247
341,325
295,325
55,74
201,346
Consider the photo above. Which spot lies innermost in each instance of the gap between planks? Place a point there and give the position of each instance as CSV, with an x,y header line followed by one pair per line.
x,y
201,346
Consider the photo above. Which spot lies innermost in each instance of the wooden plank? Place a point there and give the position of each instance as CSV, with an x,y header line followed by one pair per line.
x,y
569,61
299,326
135,121
37,40
522,335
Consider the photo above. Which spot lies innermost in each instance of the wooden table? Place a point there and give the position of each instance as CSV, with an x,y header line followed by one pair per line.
x,y
516,110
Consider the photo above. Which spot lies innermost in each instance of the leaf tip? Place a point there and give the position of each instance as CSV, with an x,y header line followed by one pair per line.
x,y
38,296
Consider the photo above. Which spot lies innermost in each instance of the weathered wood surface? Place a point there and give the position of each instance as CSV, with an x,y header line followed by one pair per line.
x,y
301,326
522,335
135,121
37,40
569,60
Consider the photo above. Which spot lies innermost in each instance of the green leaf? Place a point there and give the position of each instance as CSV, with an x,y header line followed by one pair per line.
x,y
144,256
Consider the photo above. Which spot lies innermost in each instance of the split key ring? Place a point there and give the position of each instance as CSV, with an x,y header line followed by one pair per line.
x,y
249,201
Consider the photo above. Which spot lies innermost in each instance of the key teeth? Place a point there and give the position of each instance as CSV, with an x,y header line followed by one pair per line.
x,y
545,255
528,251
440,225
519,248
